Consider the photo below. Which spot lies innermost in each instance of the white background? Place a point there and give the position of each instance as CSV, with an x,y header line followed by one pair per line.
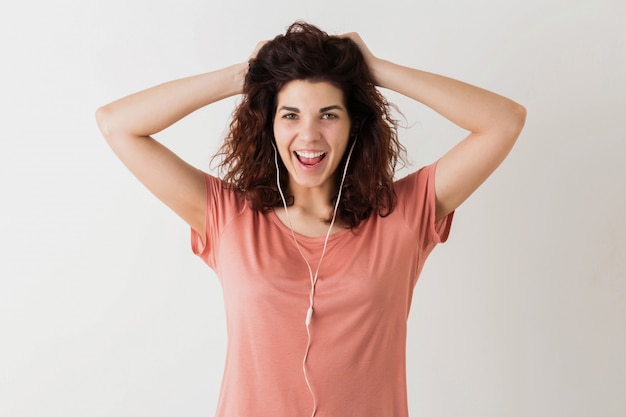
x,y
104,311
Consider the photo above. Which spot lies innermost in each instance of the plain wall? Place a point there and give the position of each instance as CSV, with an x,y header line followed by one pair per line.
x,y
104,311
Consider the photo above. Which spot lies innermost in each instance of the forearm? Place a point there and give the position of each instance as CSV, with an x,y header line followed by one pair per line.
x,y
154,109
469,107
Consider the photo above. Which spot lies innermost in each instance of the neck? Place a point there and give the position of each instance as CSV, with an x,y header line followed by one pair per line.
x,y
311,212
313,200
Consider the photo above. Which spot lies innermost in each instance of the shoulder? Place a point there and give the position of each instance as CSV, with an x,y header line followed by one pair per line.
x,y
417,201
417,204
222,195
417,182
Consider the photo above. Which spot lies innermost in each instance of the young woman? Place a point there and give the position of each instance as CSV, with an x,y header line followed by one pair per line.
x,y
316,246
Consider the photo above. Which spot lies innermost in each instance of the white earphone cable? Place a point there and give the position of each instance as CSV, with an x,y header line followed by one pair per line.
x,y
313,278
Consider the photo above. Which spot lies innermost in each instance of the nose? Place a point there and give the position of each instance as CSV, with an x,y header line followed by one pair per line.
x,y
309,130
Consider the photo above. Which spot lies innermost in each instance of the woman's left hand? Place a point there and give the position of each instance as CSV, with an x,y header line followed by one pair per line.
x,y
370,59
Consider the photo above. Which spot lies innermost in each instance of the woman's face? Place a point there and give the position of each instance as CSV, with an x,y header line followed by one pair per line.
x,y
312,130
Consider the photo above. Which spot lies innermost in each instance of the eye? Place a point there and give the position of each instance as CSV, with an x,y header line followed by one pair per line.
x,y
329,116
290,116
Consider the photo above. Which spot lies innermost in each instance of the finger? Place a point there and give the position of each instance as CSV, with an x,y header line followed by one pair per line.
x,y
356,38
257,49
353,36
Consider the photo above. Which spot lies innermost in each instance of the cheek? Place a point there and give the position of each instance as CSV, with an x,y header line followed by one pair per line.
x,y
280,131
282,145
283,135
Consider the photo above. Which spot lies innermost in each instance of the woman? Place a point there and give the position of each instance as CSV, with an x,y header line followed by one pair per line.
x,y
316,247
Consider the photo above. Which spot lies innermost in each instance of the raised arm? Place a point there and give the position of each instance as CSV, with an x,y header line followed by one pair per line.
x,y
494,123
128,123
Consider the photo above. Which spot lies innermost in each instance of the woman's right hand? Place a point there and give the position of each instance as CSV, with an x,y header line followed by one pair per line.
x,y
246,65
256,50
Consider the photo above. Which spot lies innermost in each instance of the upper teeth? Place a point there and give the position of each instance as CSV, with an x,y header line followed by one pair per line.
x,y
307,154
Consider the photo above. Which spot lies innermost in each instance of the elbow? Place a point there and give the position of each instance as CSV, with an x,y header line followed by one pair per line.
x,y
518,118
512,120
103,115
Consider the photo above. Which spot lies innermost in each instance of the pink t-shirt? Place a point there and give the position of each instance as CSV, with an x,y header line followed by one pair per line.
x,y
356,363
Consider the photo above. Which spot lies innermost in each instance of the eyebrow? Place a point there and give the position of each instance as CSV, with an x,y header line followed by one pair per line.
x,y
322,110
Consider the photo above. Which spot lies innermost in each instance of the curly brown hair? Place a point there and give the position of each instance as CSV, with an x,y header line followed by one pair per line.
x,y
307,53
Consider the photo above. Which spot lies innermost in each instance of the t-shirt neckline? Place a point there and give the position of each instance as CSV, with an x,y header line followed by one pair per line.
x,y
302,238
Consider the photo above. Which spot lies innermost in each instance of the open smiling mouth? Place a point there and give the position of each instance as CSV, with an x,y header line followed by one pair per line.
x,y
310,158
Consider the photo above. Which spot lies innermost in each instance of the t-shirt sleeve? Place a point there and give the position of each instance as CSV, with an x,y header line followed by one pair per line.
x,y
416,203
218,212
